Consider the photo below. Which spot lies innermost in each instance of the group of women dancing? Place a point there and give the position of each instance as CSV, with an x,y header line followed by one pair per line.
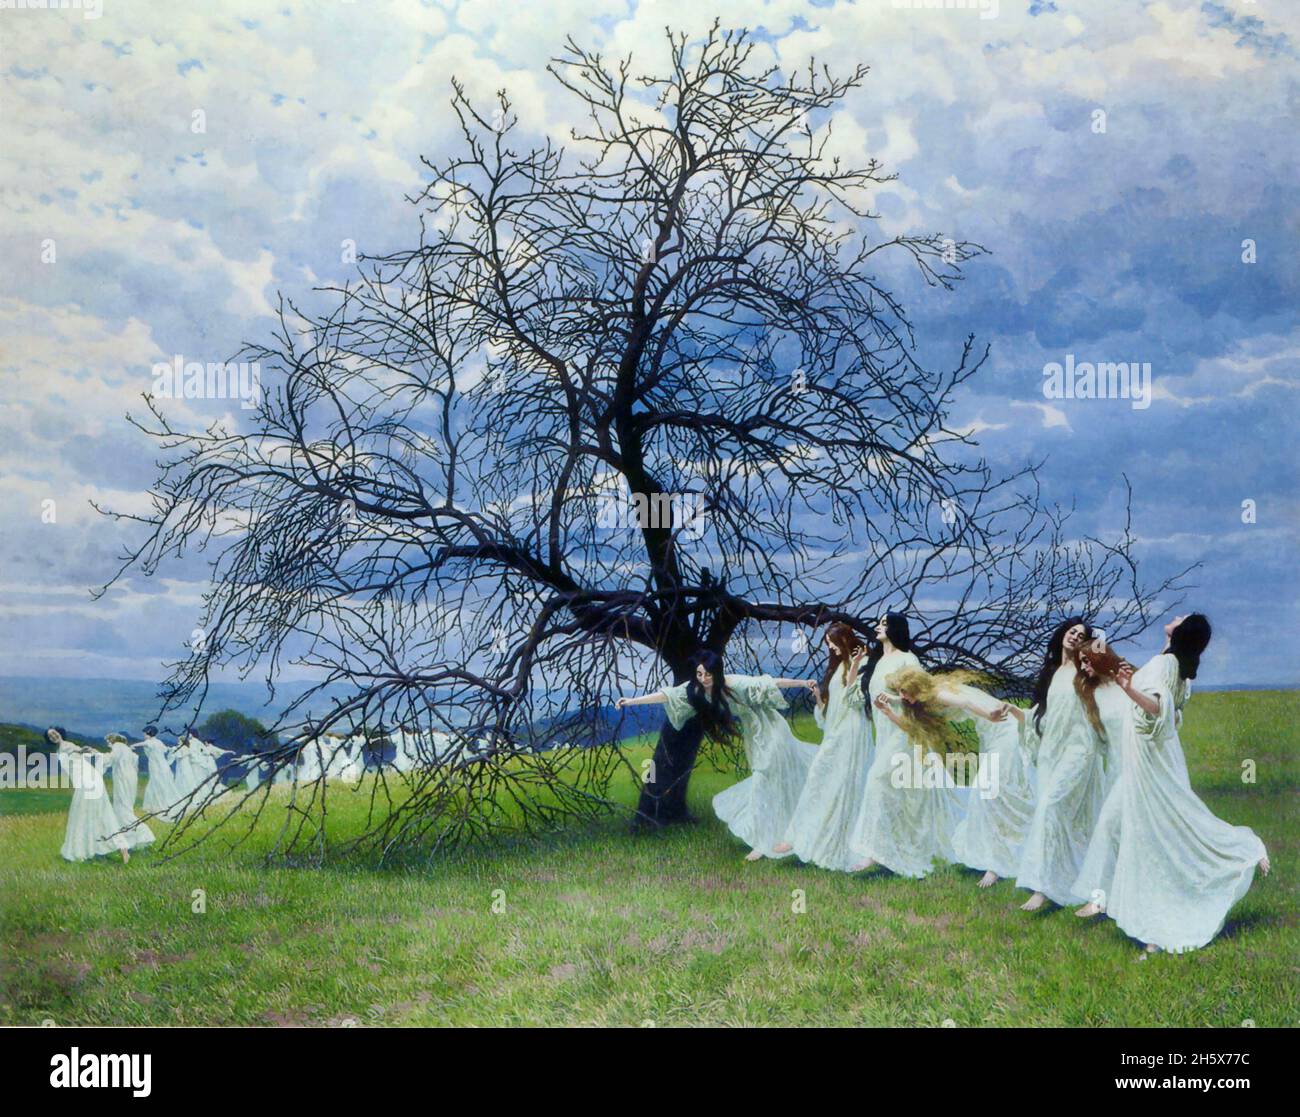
x,y
100,823
182,778
1082,799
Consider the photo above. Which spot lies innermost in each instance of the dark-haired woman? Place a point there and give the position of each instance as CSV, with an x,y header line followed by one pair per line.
x,y
93,829
758,808
1161,863
1069,752
821,827
908,811
161,794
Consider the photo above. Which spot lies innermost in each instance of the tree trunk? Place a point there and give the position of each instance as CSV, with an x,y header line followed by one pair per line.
x,y
663,797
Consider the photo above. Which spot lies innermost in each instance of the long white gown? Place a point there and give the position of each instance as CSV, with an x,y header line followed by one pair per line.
x,y
1161,863
161,792
309,763
353,766
189,774
92,829
821,827
910,807
125,766
1070,757
253,775
758,808
403,761
1000,806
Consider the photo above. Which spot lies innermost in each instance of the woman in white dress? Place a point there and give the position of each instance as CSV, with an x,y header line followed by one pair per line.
x,y
160,792
758,808
822,824
309,762
1069,752
93,829
910,808
125,766
1161,863
188,774
354,761
253,774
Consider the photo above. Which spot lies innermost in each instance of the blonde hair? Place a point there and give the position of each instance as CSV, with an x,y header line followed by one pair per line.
x,y
925,716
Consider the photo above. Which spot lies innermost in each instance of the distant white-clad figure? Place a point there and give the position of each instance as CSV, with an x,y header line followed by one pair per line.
x,y
253,775
309,761
352,767
93,829
187,772
405,757
337,758
161,792
125,766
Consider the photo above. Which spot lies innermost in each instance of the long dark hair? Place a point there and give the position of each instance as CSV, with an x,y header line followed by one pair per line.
x,y
899,633
711,708
844,642
1051,661
1188,641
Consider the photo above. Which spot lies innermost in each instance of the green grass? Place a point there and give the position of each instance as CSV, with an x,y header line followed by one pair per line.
x,y
600,927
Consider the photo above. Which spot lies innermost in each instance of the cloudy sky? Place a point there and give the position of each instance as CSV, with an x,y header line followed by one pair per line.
x,y
167,171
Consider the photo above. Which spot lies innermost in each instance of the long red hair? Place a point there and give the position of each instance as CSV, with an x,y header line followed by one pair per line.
x,y
845,641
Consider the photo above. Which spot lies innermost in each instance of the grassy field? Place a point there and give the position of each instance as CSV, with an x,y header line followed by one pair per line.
x,y
597,927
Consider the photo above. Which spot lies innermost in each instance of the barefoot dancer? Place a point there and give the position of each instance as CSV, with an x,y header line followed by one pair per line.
x,y
92,829
822,824
1069,753
1163,865
758,808
125,766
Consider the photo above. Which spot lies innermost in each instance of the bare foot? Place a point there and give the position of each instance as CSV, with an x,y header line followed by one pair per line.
x,y
1265,866
782,847
1147,951
1036,901
125,857
869,863
1088,911
988,880
753,855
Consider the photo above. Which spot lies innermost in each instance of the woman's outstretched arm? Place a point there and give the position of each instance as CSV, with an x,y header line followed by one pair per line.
x,y
658,698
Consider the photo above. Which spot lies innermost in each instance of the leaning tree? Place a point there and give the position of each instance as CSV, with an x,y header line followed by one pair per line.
x,y
629,398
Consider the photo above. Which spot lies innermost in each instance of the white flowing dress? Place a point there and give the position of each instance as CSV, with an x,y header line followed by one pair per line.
x,y
125,766
1070,756
1000,805
189,774
758,808
92,829
253,775
1161,863
161,792
821,827
910,807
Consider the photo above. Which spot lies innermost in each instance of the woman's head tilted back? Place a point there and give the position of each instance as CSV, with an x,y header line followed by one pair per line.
x,y
894,628
1188,637
1066,637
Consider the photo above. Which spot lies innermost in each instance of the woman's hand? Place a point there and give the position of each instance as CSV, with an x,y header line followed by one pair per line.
x,y
1124,676
882,703
1000,714
620,704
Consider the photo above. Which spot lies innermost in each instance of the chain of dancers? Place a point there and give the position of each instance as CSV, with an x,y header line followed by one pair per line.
x,y
1082,799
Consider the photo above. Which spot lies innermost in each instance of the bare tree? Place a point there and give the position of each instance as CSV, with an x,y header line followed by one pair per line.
x,y
679,315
